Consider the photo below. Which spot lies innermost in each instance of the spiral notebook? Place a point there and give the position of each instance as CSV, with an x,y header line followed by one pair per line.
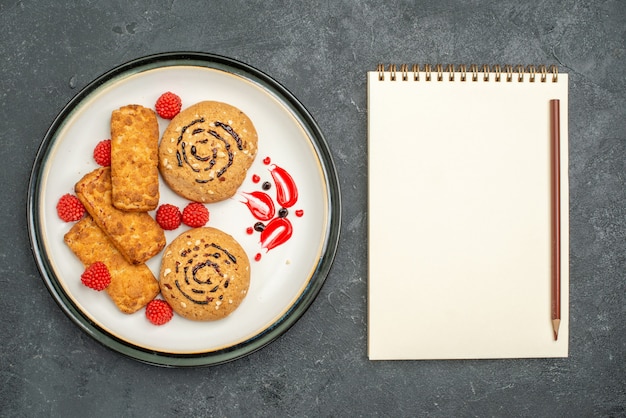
x,y
460,196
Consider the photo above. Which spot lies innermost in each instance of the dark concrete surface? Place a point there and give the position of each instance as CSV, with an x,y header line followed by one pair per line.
x,y
320,50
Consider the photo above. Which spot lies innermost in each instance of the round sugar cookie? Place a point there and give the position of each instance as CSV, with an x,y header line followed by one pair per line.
x,y
206,150
205,274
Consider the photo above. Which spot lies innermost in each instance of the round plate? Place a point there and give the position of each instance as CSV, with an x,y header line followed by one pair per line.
x,y
284,280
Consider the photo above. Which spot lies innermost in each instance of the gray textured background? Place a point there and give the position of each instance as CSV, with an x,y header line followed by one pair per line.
x,y
320,50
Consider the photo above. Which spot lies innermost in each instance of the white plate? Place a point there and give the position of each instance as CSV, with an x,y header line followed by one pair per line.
x,y
284,281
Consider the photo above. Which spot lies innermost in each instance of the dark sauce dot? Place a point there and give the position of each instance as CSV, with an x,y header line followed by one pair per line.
x,y
283,212
259,226
266,185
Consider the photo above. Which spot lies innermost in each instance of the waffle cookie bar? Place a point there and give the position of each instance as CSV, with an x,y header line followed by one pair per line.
x,y
136,235
132,286
134,158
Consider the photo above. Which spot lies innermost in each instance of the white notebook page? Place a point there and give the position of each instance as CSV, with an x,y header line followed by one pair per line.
x,y
459,218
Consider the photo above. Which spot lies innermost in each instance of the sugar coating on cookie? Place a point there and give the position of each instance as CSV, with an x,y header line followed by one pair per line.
x,y
206,151
132,285
134,160
205,274
135,234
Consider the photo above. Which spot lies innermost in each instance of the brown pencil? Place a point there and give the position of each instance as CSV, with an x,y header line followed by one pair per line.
x,y
555,139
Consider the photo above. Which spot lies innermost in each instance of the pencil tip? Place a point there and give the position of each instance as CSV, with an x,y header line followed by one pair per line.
x,y
555,327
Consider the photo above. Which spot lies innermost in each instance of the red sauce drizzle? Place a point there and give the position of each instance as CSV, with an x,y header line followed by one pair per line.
x,y
260,205
274,226
286,189
277,232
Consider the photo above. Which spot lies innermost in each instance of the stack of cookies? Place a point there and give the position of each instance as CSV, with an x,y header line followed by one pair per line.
x,y
118,230
203,156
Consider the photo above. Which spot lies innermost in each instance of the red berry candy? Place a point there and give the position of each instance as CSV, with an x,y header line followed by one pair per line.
x,y
102,153
96,276
195,215
69,208
168,216
168,105
159,312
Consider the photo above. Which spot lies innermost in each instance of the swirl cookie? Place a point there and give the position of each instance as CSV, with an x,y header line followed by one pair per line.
x,y
206,151
205,274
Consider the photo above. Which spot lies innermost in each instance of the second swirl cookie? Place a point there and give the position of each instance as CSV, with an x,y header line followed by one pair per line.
x,y
205,274
206,151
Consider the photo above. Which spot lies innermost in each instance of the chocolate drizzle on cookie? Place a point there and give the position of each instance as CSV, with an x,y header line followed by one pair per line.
x,y
232,133
189,150
229,255
204,276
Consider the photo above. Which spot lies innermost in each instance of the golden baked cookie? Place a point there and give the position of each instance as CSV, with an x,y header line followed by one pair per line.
x,y
135,234
132,286
205,274
206,151
134,158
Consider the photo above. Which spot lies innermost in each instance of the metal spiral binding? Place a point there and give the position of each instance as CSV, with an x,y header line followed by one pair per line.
x,y
498,71
416,72
450,71
404,68
474,70
463,71
381,72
